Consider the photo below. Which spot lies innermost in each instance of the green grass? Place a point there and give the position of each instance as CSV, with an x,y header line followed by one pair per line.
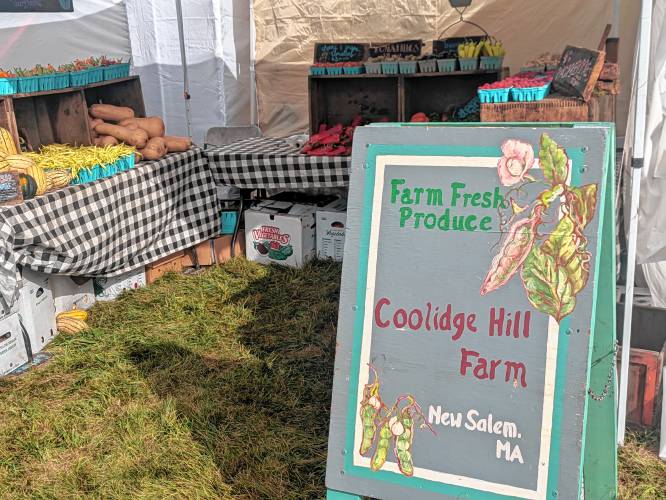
x,y
209,386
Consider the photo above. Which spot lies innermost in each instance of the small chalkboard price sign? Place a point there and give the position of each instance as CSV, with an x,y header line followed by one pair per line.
x,y
448,47
477,288
36,6
340,52
399,49
578,71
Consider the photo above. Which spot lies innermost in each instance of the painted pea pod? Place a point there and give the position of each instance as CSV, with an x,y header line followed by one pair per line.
x,y
368,415
514,251
403,445
381,452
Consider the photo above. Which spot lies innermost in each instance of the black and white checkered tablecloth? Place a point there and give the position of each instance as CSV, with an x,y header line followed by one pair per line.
x,y
267,163
112,225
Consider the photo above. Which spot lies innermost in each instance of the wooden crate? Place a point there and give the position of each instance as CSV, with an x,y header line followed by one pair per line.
x,y
170,264
551,109
61,116
201,255
222,247
643,384
602,108
338,99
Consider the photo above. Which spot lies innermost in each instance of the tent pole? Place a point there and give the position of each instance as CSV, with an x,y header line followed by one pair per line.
x,y
637,154
183,59
254,120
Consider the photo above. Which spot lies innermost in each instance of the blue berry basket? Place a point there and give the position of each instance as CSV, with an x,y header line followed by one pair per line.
x,y
317,70
28,84
334,70
530,93
446,65
95,75
408,67
99,172
468,63
60,81
491,62
390,68
353,70
373,68
47,82
494,95
79,78
228,220
116,71
8,86
428,66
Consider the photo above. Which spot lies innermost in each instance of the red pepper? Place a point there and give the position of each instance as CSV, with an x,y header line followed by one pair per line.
x,y
331,139
356,122
322,128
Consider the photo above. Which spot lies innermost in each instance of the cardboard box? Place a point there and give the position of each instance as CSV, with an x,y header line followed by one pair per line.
x,y
37,311
13,352
170,264
280,232
72,291
201,254
331,228
110,288
222,248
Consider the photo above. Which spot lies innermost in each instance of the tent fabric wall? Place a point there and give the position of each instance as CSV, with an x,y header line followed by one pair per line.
x,y
95,27
286,31
217,45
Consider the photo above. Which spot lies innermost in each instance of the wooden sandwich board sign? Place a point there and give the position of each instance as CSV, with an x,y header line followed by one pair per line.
x,y
476,311
578,72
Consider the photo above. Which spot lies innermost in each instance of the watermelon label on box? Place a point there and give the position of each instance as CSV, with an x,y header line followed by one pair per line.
x,y
269,241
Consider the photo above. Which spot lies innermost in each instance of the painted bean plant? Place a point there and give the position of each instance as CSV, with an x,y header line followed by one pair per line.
x,y
385,428
555,267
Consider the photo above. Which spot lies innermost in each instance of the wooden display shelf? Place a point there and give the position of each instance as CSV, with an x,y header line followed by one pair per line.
x,y
339,98
60,116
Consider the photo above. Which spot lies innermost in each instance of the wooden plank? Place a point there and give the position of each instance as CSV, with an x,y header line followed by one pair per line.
x,y
69,118
27,125
8,118
123,93
600,461
601,108
604,37
610,72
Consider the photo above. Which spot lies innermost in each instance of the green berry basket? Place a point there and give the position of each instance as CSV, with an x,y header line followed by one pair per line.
x,y
428,66
373,68
468,63
446,65
491,62
408,67
8,86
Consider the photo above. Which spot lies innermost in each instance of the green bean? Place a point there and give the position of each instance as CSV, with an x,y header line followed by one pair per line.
x,y
403,443
369,410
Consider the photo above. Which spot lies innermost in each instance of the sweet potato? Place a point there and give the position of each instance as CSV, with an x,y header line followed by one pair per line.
x,y
110,113
106,140
153,125
137,138
93,123
176,144
155,149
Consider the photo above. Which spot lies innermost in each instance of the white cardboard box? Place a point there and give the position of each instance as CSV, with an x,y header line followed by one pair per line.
x,y
110,288
67,293
37,308
280,232
13,352
331,228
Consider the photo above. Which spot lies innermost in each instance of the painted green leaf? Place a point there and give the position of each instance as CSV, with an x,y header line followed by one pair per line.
x,y
569,253
548,288
583,203
554,161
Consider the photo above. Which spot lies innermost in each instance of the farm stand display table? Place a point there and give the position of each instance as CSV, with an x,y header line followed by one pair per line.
x,y
268,163
113,225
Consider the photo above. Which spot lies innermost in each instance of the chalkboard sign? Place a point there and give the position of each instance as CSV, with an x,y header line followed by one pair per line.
x,y
467,311
340,52
399,49
448,47
36,6
578,71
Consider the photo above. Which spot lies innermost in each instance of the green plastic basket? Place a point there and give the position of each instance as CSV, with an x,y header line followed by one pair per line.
x,y
469,63
28,84
116,71
8,86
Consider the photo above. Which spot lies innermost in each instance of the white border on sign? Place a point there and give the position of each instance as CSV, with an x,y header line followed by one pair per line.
x,y
364,372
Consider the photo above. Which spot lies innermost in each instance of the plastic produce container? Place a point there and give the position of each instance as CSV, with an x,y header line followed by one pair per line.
x,y
61,81
334,70
529,93
79,78
469,63
317,70
390,68
446,65
47,82
491,62
95,75
428,66
28,84
8,86
116,71
98,172
228,220
494,95
408,67
373,68
353,70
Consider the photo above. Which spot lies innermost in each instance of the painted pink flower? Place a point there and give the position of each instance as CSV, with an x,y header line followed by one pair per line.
x,y
517,159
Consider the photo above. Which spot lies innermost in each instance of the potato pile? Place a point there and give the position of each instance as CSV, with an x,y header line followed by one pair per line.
x,y
111,125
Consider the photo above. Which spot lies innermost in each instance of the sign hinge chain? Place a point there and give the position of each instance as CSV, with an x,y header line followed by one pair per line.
x,y
606,389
